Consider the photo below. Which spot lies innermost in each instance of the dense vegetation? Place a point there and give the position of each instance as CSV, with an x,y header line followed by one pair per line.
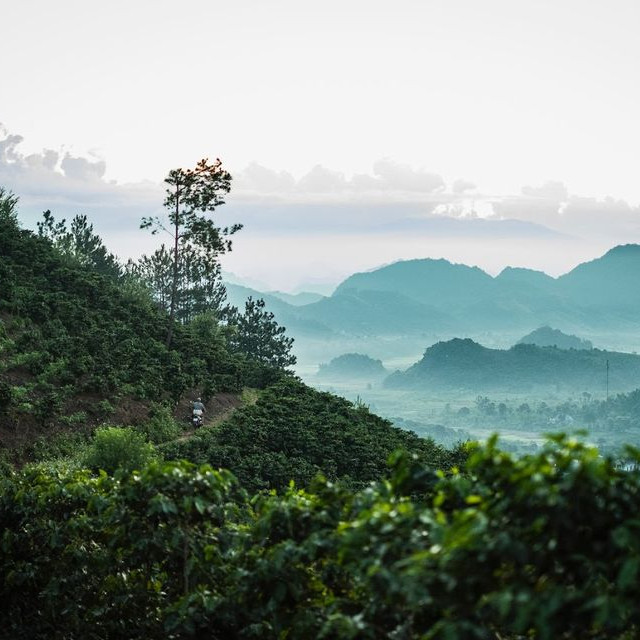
x,y
296,515
543,546
69,332
293,432
80,334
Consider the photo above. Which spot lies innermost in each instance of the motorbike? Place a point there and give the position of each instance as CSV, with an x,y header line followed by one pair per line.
x,y
197,420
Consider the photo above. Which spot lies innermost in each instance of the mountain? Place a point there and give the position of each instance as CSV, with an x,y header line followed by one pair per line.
x,y
432,282
367,312
601,294
548,337
298,322
420,297
465,364
352,366
609,282
298,299
526,278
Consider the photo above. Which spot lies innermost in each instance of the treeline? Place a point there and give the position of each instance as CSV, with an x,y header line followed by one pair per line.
x,y
540,546
79,331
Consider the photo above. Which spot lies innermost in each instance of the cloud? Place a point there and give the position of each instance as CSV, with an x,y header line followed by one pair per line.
x,y
402,177
541,204
259,179
70,185
608,216
321,180
394,200
82,169
551,190
460,186
49,172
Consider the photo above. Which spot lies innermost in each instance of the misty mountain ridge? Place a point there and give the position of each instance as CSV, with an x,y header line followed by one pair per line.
x,y
415,297
548,337
465,364
352,365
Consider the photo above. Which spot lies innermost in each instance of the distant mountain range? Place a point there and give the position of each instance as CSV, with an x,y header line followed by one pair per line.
x,y
415,297
465,364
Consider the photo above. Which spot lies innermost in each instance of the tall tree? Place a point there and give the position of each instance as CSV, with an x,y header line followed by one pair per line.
x,y
8,206
200,286
256,334
192,194
80,242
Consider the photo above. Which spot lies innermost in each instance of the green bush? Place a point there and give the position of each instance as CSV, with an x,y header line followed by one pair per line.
x,y
544,546
161,427
116,448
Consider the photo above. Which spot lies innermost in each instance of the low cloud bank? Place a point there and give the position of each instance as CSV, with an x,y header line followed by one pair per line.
x,y
397,211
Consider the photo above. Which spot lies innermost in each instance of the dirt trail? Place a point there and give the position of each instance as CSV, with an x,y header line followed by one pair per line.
x,y
218,409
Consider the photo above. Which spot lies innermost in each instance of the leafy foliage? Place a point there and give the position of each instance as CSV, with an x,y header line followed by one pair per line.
x,y
116,448
295,432
256,334
80,242
73,334
542,546
197,241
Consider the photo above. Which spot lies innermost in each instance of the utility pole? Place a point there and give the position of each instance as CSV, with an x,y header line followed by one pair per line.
x,y
607,380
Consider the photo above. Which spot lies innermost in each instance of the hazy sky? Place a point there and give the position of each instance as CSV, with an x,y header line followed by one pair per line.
x,y
507,108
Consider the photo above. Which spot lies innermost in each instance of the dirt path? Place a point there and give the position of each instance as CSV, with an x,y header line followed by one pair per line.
x,y
218,409
211,421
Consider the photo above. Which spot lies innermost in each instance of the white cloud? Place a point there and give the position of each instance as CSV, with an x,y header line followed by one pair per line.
x,y
321,180
609,217
259,179
402,177
460,186
394,200
82,169
551,190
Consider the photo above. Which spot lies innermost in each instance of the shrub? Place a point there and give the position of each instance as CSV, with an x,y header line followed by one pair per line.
x,y
161,427
116,448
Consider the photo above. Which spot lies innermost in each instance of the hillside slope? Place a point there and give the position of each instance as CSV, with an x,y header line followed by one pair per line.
x,y
294,432
77,345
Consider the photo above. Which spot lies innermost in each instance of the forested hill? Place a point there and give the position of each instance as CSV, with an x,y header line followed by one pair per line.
x,y
83,346
548,337
466,364
411,297
82,342
71,338
106,539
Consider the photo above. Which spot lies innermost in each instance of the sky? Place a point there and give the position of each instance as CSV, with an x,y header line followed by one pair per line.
x,y
358,133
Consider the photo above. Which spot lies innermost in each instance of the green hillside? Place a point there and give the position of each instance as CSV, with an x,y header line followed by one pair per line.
x,y
75,342
540,546
293,432
293,513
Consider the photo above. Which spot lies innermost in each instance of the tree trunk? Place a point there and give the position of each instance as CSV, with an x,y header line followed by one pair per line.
x,y
174,284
